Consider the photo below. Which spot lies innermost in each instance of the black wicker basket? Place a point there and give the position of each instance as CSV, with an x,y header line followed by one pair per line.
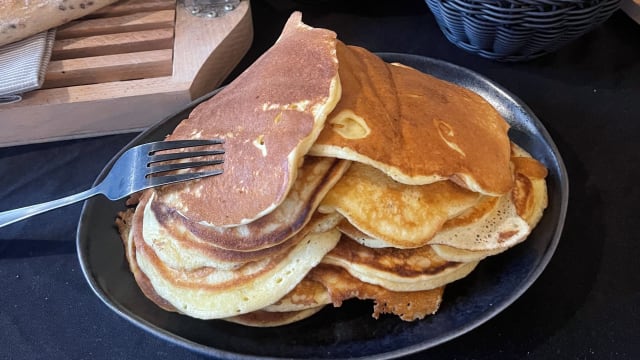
x,y
517,30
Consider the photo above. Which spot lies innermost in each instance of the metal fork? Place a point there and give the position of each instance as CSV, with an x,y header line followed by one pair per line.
x,y
137,169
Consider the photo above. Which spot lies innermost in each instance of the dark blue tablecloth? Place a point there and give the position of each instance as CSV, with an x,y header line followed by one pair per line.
x,y
586,304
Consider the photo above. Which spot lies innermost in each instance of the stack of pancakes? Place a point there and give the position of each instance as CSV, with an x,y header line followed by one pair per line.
x,y
344,177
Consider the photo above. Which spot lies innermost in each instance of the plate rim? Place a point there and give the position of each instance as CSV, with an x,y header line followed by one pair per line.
x,y
412,349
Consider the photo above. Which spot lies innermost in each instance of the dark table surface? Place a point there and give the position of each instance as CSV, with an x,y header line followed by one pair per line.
x,y
585,305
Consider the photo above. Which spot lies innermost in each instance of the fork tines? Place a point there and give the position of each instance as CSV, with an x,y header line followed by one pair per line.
x,y
183,155
168,179
201,158
176,144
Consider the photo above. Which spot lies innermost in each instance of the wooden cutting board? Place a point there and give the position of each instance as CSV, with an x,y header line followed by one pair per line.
x,y
126,67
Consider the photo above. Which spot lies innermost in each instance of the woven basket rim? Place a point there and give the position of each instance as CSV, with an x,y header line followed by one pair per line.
x,y
516,6
516,30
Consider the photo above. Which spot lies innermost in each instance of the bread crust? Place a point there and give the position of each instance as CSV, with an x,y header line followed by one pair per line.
x,y
20,19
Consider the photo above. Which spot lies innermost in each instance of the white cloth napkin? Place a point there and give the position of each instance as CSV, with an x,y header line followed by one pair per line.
x,y
23,65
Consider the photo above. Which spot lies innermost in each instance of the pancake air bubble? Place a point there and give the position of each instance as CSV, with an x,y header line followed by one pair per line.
x,y
259,143
350,126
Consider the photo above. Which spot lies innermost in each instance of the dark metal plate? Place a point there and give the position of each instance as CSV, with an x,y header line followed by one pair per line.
x,y
349,331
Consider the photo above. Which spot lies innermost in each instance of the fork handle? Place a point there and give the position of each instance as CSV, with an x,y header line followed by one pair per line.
x,y
11,216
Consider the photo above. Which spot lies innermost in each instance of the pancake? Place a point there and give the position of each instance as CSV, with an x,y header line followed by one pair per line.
x,y
209,293
450,253
328,284
446,252
393,214
179,249
182,244
500,228
315,177
308,294
269,117
530,190
261,318
510,219
258,318
414,127
353,233
528,196
409,305
124,223
396,269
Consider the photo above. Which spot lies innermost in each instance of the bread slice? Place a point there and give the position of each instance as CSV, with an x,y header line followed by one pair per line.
x,y
20,19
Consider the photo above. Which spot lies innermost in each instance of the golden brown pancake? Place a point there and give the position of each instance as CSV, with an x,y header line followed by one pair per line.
x,y
414,127
315,178
395,214
124,223
268,125
180,249
353,233
308,294
409,305
446,252
209,293
328,284
530,191
496,224
529,196
396,269
258,318
293,310
499,228
450,253
183,244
